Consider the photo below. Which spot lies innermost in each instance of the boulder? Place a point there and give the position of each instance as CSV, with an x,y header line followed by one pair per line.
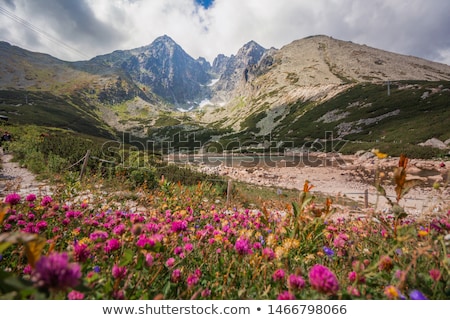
x,y
434,143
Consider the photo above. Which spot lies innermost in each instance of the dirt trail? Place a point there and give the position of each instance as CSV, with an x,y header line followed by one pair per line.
x,y
14,178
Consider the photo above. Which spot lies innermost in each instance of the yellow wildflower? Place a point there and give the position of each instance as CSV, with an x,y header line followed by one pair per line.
x,y
422,233
379,154
280,252
271,240
291,243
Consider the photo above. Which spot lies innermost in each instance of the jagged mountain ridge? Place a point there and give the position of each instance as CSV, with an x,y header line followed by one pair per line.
x,y
316,68
165,68
141,88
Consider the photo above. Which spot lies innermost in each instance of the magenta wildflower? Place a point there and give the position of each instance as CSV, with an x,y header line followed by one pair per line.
x,y
192,280
119,229
278,275
98,235
352,276
206,293
340,240
176,276
41,225
179,225
323,280
119,272
75,295
286,295
31,197
170,262
55,272
149,259
435,274
12,199
81,252
296,282
268,253
145,241
27,270
46,200
353,291
111,245
243,246
119,295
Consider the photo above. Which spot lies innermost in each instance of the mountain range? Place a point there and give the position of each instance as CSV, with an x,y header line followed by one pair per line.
x,y
254,93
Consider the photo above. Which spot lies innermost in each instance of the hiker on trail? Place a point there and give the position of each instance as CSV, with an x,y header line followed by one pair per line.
x,y
5,140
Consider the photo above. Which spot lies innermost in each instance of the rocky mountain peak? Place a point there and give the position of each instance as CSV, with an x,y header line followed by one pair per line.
x,y
235,70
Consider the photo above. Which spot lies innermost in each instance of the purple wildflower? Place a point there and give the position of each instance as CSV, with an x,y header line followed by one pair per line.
x,y
328,251
55,272
417,295
323,280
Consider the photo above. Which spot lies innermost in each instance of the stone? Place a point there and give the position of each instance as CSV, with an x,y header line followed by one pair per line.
x,y
434,143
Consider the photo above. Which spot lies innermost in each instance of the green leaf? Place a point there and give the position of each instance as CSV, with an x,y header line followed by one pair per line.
x,y
140,262
4,246
127,257
166,289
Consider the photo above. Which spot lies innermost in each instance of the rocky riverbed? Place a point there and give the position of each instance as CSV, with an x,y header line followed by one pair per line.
x,y
348,176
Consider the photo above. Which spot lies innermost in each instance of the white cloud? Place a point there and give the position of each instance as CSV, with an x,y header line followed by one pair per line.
x,y
95,27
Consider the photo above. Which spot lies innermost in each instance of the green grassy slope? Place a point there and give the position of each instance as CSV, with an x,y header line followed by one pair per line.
x,y
367,117
46,109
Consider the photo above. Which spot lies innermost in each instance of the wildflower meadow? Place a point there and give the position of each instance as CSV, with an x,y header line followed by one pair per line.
x,y
176,242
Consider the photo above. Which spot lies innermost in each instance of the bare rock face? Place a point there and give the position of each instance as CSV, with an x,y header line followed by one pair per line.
x,y
235,70
435,143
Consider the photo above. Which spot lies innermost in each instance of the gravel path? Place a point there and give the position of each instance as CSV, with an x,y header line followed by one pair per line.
x,y
14,178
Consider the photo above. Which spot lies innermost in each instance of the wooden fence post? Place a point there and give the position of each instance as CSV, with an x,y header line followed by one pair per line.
x,y
229,187
85,162
366,198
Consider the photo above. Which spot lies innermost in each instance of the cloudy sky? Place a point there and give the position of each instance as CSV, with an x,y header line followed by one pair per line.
x,y
81,29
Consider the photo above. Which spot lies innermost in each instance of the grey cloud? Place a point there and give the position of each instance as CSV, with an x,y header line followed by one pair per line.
x,y
412,27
